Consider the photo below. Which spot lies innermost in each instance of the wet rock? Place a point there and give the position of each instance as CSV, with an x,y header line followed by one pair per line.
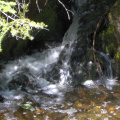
x,y
82,53
19,81
73,63
110,38
116,94
55,73
1,99
111,109
37,112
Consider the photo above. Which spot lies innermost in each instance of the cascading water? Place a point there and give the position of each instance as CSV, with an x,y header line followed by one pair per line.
x,y
108,79
108,64
68,39
31,77
29,69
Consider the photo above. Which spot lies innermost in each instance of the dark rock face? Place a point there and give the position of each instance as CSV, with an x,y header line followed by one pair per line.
x,y
81,61
110,38
82,56
1,99
54,15
19,81
12,48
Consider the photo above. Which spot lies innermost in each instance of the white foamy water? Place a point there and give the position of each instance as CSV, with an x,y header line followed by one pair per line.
x,y
32,66
47,95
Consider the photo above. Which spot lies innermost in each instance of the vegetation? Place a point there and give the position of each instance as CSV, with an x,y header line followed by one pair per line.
x,y
110,38
14,21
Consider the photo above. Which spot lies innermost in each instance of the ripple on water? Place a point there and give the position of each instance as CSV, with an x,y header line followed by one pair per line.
x,y
103,111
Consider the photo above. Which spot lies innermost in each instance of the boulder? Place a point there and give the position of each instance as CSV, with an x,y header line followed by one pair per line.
x,y
19,81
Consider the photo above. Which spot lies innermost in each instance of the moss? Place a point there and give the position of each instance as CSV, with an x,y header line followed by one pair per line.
x,y
49,17
109,41
19,47
117,56
12,48
110,38
115,10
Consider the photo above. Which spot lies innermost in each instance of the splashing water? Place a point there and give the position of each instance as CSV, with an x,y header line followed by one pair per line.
x,y
59,97
108,80
33,67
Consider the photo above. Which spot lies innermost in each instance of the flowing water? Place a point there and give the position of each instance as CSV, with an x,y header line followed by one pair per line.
x,y
27,94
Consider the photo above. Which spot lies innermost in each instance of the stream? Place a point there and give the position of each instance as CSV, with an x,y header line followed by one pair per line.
x,y
47,86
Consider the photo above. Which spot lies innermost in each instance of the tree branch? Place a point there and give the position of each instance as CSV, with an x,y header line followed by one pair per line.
x,y
66,9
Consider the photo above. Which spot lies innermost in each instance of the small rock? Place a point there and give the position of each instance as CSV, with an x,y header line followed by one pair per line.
x,y
38,112
111,109
1,99
19,81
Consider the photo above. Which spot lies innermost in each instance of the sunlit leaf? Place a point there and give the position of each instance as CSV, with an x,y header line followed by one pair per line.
x,y
14,22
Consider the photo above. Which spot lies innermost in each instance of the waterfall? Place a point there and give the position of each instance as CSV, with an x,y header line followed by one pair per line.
x,y
47,80
68,39
108,80
108,64
35,68
79,3
30,66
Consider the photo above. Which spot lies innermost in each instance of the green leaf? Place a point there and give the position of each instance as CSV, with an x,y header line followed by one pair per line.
x,y
18,26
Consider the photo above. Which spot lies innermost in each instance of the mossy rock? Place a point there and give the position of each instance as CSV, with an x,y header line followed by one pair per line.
x,y
12,48
110,38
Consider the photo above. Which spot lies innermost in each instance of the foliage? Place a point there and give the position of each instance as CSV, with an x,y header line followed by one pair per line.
x,y
110,37
27,106
109,40
13,20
